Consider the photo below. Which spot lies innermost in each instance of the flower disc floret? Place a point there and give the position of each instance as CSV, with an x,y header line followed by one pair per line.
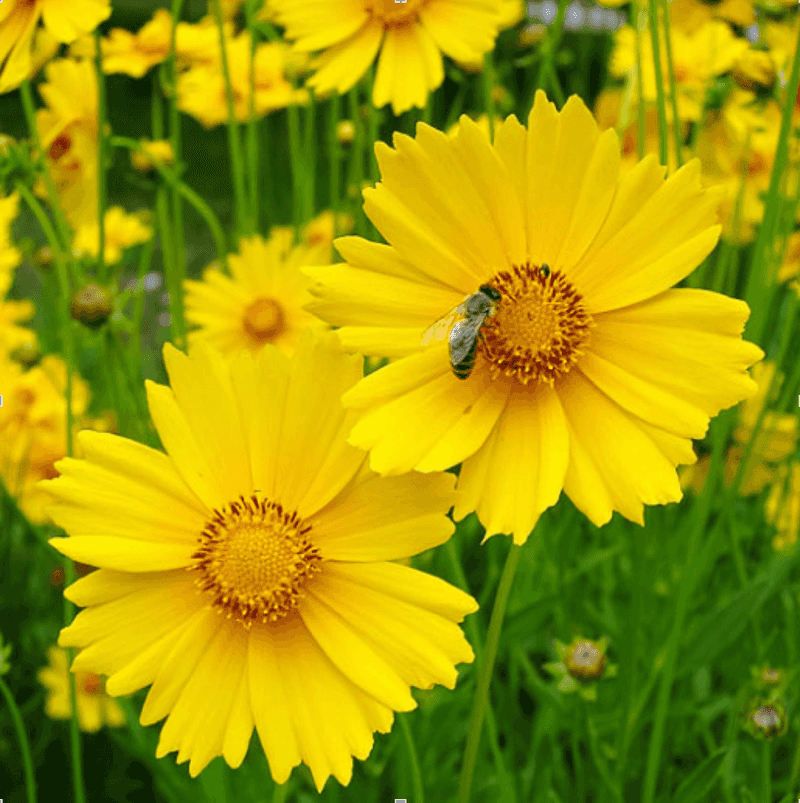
x,y
255,559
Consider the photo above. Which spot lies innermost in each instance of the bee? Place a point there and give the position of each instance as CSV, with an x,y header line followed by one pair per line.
x,y
463,325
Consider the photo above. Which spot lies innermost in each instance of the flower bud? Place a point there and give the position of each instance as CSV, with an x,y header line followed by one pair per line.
x,y
91,306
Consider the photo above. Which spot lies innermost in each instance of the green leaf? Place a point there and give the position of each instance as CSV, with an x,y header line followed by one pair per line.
x,y
697,785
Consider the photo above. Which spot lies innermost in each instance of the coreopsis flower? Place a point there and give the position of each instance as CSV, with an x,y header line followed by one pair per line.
x,y
122,230
611,112
33,430
408,40
737,147
135,54
249,574
697,57
154,152
94,706
689,15
65,21
592,375
755,69
776,440
782,507
68,128
12,313
261,301
316,232
202,93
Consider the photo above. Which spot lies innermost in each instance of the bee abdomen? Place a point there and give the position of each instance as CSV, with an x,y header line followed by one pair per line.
x,y
464,368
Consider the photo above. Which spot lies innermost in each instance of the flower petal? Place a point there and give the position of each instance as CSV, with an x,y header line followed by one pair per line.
x,y
340,67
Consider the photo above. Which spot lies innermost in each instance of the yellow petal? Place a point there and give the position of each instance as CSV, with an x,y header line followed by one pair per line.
x,y
386,518
341,66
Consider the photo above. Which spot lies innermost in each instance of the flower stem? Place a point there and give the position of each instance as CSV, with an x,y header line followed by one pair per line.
x,y
101,157
179,258
24,745
487,79
637,14
234,145
356,170
766,771
481,701
298,172
691,569
758,276
416,775
660,101
252,124
333,158
673,92
310,158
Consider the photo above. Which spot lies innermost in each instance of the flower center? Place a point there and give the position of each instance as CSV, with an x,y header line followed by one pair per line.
x,y
391,13
61,144
254,559
264,320
538,328
586,660
92,684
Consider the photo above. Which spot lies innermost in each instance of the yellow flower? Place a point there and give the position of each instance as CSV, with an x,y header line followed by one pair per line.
x,y
261,302
317,231
201,90
68,132
121,231
776,440
155,152
611,112
134,54
95,707
782,508
65,20
593,375
249,573
12,313
410,37
689,15
737,147
755,69
482,122
33,432
697,58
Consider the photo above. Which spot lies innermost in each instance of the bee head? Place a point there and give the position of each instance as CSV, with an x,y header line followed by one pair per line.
x,y
488,290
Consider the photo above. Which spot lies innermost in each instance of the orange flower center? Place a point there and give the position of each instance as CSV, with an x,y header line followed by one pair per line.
x,y
538,328
92,684
264,320
254,559
389,12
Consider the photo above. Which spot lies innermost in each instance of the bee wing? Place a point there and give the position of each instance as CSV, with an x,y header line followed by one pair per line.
x,y
462,343
441,329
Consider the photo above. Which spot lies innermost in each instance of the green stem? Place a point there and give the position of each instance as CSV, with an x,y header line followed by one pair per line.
x,y
660,101
310,159
298,171
135,350
487,79
24,745
766,771
550,46
74,728
202,208
333,159
758,275
641,132
64,237
168,255
416,775
676,123
252,124
101,157
178,245
485,670
472,627
234,146
688,581
356,171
